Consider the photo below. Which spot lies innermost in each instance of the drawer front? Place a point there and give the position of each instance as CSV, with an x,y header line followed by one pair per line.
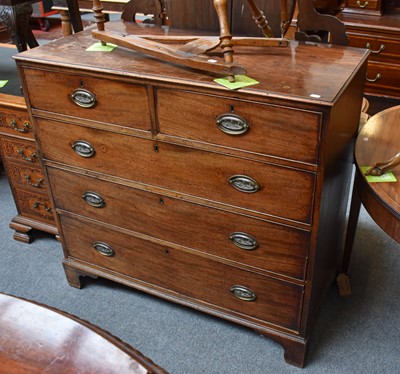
x,y
381,48
245,240
15,122
254,127
20,150
34,206
383,79
26,176
364,5
114,102
281,191
189,275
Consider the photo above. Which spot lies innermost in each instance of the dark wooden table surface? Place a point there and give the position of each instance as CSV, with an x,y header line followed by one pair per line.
x,y
38,339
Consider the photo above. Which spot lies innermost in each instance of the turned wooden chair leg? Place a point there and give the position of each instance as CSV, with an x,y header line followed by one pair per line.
x,y
225,34
260,20
99,16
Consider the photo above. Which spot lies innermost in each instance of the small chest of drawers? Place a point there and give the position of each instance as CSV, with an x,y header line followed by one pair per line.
x,y
231,202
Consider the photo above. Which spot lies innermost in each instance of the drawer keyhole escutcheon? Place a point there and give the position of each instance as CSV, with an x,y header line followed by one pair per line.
x,y
93,199
83,98
381,48
362,5
104,249
243,293
83,148
25,127
232,124
243,183
243,241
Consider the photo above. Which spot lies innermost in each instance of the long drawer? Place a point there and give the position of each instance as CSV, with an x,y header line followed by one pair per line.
x,y
383,78
254,186
179,272
90,98
254,127
256,243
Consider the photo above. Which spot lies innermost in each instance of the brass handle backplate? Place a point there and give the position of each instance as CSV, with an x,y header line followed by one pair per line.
x,y
243,241
94,199
232,124
25,127
381,48
32,184
104,249
36,205
244,183
83,98
31,158
243,293
83,148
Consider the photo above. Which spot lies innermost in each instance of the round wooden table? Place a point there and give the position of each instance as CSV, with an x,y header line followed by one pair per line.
x,y
377,142
39,339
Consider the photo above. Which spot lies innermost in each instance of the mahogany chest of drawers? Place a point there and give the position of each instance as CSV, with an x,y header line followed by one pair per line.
x,y
231,202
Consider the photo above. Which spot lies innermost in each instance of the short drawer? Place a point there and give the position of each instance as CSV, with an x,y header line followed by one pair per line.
x,y
15,122
361,6
254,127
34,206
256,243
20,150
88,97
381,48
184,274
255,186
383,79
26,176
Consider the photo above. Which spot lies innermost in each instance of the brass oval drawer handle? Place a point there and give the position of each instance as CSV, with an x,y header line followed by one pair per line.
x,y
232,124
36,205
243,183
243,293
30,183
104,249
381,48
93,199
378,76
243,241
362,5
31,158
83,98
25,128
83,148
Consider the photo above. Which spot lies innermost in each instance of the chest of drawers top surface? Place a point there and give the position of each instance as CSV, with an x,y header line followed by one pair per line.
x,y
298,71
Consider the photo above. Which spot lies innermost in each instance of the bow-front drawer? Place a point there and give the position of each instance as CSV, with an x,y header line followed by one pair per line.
x,y
254,127
20,150
266,188
83,96
253,242
184,274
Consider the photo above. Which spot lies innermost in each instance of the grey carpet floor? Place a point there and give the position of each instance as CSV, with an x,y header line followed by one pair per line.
x,y
358,334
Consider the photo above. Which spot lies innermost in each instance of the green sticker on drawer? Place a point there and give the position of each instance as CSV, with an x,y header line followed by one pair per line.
x,y
387,177
240,82
98,47
3,83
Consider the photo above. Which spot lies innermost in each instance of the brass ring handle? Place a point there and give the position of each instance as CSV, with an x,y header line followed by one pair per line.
x,y
380,168
31,158
243,183
94,199
362,5
381,48
25,128
37,203
83,98
378,76
232,124
104,249
29,181
243,293
243,241
83,148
